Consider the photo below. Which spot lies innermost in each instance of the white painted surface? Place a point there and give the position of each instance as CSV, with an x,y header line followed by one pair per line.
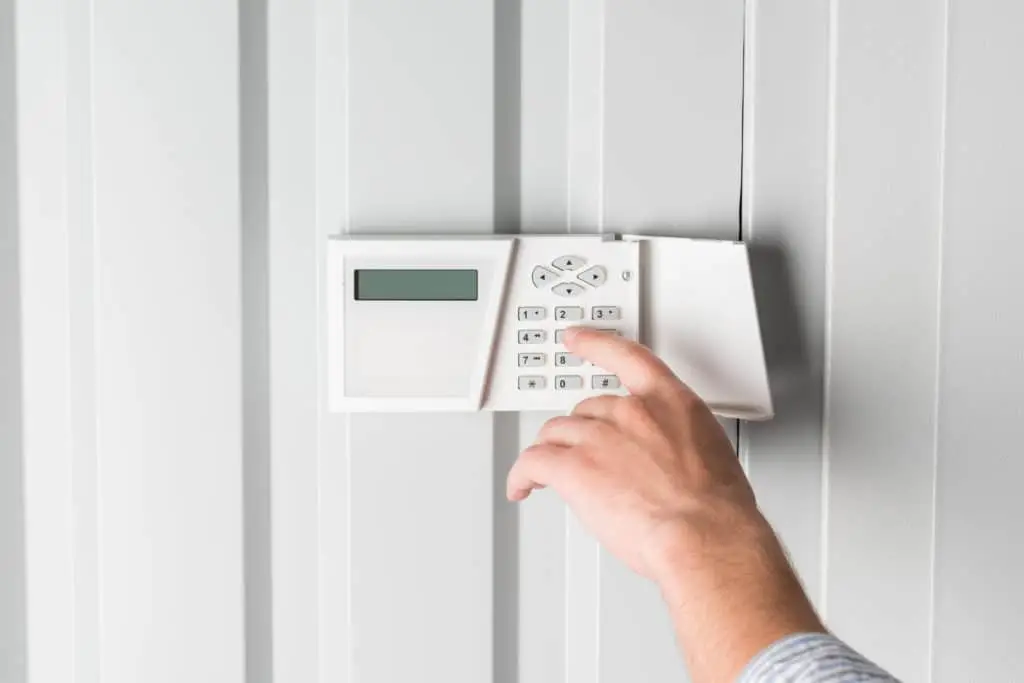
x,y
880,157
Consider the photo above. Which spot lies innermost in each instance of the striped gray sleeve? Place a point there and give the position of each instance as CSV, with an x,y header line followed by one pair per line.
x,y
812,658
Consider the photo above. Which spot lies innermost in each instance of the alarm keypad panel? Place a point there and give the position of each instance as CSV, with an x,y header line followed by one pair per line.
x,y
600,276
420,323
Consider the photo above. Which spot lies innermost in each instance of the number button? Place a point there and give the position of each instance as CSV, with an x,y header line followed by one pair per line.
x,y
567,360
543,277
532,336
559,336
532,313
594,276
605,313
568,382
531,382
606,382
569,262
567,289
531,360
570,313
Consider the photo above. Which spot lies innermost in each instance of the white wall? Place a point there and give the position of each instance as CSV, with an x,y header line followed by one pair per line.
x,y
175,504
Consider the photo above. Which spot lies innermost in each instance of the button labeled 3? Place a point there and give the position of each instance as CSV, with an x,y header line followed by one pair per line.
x,y
569,262
594,276
528,382
604,313
567,289
531,360
532,336
543,277
532,313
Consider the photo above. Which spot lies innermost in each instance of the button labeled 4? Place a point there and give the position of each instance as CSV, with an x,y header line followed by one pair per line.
x,y
532,336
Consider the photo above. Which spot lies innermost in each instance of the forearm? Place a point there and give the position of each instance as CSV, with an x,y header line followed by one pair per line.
x,y
732,594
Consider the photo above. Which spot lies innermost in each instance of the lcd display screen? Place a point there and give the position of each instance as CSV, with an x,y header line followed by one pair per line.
x,y
416,285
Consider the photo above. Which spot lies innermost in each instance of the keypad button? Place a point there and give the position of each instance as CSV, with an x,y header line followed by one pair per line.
x,y
611,331
543,277
605,382
594,276
530,382
604,313
569,262
531,360
568,382
567,360
569,313
532,336
532,313
559,336
568,289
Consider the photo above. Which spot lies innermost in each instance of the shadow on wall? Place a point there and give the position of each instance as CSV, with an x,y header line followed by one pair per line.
x,y
12,510
794,367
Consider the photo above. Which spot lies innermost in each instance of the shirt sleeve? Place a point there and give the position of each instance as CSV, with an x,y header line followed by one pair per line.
x,y
812,658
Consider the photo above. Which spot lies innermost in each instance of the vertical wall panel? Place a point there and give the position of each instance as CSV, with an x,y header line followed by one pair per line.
x,y
888,101
784,207
421,157
544,164
48,448
672,135
12,502
333,471
979,524
292,318
168,341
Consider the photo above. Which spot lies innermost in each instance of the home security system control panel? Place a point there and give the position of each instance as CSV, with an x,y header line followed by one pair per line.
x,y
443,323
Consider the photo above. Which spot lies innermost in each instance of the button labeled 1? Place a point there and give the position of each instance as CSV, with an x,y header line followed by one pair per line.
x,y
532,313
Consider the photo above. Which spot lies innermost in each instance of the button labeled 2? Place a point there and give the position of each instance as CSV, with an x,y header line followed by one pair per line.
x,y
571,313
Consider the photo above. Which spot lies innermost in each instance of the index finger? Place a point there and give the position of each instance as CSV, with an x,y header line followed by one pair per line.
x,y
636,366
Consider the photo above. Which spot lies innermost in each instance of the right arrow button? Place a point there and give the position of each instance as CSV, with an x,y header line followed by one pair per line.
x,y
595,276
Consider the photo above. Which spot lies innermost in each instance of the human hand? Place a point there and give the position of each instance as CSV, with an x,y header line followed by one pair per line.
x,y
652,475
